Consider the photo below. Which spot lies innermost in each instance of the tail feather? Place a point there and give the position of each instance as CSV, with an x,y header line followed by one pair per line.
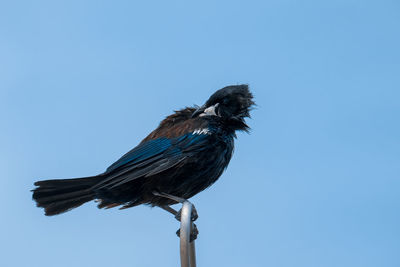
x,y
58,196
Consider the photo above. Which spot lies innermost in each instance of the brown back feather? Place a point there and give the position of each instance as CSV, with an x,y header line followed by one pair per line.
x,y
175,125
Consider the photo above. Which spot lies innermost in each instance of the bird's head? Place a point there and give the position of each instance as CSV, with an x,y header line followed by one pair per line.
x,y
232,104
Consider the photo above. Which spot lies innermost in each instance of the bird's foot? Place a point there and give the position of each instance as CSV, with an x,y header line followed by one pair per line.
x,y
193,233
178,214
193,216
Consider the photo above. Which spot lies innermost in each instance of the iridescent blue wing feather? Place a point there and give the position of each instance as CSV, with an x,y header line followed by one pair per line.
x,y
141,153
152,157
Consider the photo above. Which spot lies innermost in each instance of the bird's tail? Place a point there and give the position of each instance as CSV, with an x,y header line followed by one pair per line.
x,y
58,196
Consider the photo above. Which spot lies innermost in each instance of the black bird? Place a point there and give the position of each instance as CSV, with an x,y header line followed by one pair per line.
x,y
187,153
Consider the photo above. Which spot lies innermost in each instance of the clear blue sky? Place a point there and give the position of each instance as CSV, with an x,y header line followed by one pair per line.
x,y
316,183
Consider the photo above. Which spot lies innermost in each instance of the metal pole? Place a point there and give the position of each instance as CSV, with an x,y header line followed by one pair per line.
x,y
187,248
192,254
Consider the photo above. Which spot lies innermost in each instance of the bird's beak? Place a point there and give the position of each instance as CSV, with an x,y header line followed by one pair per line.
x,y
212,110
198,111
203,111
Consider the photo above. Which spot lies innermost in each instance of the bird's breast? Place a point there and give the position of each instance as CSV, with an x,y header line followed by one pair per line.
x,y
205,167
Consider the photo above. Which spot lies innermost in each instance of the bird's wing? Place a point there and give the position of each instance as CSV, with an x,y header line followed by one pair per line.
x,y
153,157
142,152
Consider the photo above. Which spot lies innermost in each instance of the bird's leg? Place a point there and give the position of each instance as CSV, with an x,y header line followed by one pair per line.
x,y
177,214
194,231
169,209
174,198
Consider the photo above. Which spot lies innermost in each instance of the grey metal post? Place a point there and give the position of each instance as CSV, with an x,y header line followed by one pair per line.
x,y
187,248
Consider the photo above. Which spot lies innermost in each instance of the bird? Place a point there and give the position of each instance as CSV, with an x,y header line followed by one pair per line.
x,y
184,155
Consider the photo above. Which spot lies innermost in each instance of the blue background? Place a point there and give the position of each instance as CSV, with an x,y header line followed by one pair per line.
x,y
316,183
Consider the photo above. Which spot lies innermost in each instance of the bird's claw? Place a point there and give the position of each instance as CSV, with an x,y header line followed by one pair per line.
x,y
193,233
193,216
